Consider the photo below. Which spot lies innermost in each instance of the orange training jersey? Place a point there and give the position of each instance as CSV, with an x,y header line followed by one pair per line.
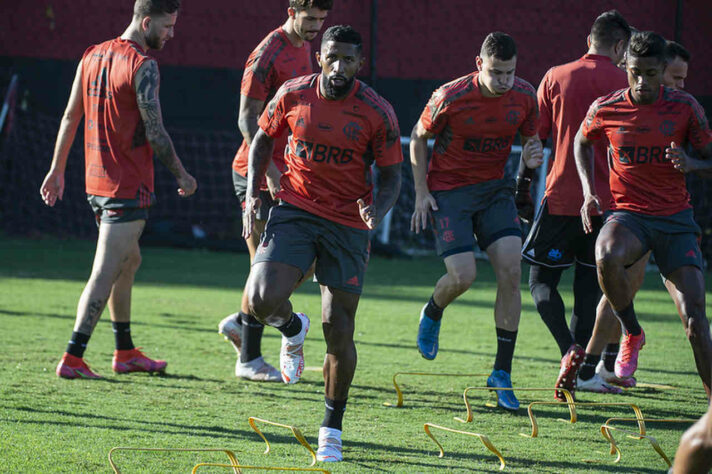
x,y
332,146
273,62
642,179
473,133
118,157
564,96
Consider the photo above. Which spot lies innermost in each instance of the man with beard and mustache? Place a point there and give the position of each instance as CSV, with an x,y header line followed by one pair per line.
x,y
339,127
116,87
283,54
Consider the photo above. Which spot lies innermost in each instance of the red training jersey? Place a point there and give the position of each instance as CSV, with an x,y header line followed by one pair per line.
x,y
273,62
332,146
473,133
118,157
564,96
642,180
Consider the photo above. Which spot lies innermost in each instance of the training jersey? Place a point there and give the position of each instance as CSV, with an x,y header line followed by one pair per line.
x,y
564,96
273,62
118,157
332,146
641,178
473,133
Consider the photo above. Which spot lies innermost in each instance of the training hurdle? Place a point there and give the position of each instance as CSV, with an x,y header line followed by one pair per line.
x,y
606,429
485,440
295,431
572,411
399,392
469,416
230,454
262,468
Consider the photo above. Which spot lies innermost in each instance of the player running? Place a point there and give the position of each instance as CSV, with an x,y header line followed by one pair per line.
x,y
474,120
339,127
116,87
647,124
285,53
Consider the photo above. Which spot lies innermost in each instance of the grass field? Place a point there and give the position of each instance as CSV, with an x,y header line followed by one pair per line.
x,y
53,425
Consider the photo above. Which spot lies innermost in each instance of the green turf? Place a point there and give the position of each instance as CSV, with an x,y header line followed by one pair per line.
x,y
53,425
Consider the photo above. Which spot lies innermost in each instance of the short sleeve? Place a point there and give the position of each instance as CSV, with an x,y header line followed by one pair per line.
x,y
544,101
273,120
386,142
435,115
258,80
592,125
698,130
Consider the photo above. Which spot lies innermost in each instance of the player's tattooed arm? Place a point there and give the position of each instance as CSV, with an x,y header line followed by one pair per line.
x,y
583,154
388,185
257,162
146,85
250,110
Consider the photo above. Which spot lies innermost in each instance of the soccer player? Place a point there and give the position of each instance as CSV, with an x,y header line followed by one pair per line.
x,y
116,87
474,120
339,127
678,59
556,240
285,53
647,124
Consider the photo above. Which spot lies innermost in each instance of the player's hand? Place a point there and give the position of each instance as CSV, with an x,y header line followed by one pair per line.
x,y
368,214
590,203
252,203
525,204
533,153
423,205
679,158
52,187
187,185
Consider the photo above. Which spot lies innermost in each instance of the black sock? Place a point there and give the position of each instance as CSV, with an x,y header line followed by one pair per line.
x,y
588,368
334,413
292,327
587,293
251,337
122,336
542,284
609,356
630,322
433,311
505,349
78,344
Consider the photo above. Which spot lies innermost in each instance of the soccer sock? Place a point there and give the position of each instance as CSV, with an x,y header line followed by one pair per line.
x,y
292,327
334,413
78,344
609,356
630,322
505,349
251,337
433,311
588,368
122,336
542,284
587,293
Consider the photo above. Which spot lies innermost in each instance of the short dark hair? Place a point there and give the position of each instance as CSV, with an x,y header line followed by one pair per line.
x,y
676,50
609,28
499,45
342,34
647,44
155,7
300,5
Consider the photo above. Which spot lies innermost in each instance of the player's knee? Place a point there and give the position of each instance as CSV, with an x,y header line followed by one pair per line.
x,y
260,305
133,262
462,279
698,329
509,276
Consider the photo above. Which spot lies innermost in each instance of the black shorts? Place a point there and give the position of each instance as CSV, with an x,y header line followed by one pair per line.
x,y
559,241
483,210
240,183
110,210
297,237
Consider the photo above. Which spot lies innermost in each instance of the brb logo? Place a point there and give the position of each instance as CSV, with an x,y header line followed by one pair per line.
x,y
310,151
486,145
629,155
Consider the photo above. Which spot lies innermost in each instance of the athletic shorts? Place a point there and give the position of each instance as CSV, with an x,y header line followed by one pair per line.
x,y
673,239
115,210
240,183
297,237
483,210
559,241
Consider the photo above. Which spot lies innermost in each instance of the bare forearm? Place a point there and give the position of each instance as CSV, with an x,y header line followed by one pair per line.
x,y
65,138
248,127
583,154
162,146
389,184
259,158
419,162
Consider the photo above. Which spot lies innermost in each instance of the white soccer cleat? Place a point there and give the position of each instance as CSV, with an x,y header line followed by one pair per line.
x,y
257,370
232,330
597,385
612,378
329,445
291,357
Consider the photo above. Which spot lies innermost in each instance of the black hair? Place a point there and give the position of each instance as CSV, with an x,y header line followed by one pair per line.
x,y
155,7
342,34
676,50
609,28
498,45
301,5
647,44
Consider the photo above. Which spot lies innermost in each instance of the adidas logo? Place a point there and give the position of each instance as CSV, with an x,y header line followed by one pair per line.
x,y
353,281
691,254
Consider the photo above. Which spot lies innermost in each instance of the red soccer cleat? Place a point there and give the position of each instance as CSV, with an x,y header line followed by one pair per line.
x,y
570,364
627,360
73,367
133,360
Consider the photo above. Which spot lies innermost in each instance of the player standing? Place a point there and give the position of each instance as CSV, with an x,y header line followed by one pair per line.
x,y
474,120
116,87
285,53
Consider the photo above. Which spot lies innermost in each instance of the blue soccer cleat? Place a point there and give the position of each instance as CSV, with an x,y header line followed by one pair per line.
x,y
428,332
505,398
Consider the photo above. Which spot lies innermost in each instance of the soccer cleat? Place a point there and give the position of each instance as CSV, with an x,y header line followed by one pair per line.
x,y
231,328
627,360
612,379
329,445
257,370
428,333
133,360
505,398
570,364
596,384
291,356
73,367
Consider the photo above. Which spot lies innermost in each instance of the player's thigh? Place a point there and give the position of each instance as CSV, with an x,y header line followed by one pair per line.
x,y
622,240
636,271
505,258
497,220
117,246
338,307
687,285
289,237
461,266
452,222
342,255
